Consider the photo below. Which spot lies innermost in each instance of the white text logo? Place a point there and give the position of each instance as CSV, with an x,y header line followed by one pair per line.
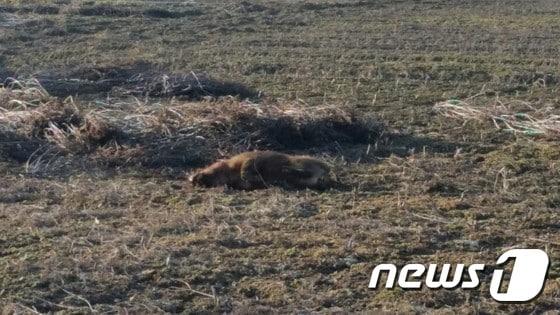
x,y
526,282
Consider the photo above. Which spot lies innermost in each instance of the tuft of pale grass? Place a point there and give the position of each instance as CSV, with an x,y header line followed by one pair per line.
x,y
22,94
531,122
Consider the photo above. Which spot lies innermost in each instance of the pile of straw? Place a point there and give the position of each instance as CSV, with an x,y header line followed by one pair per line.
x,y
531,121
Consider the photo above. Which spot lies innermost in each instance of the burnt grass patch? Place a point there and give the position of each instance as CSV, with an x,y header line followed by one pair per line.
x,y
36,9
105,10
117,11
16,147
4,71
316,6
167,14
8,9
45,9
141,80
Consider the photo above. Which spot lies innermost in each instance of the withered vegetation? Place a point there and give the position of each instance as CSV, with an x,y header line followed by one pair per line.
x,y
167,134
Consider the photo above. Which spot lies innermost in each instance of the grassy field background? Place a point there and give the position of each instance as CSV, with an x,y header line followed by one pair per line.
x,y
127,238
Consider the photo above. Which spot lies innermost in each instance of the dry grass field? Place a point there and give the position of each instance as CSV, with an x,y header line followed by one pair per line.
x,y
439,118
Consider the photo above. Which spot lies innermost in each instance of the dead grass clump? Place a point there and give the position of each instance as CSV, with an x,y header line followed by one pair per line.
x,y
39,118
187,86
193,134
58,122
527,120
289,127
42,121
16,94
140,79
89,80
180,134
90,133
